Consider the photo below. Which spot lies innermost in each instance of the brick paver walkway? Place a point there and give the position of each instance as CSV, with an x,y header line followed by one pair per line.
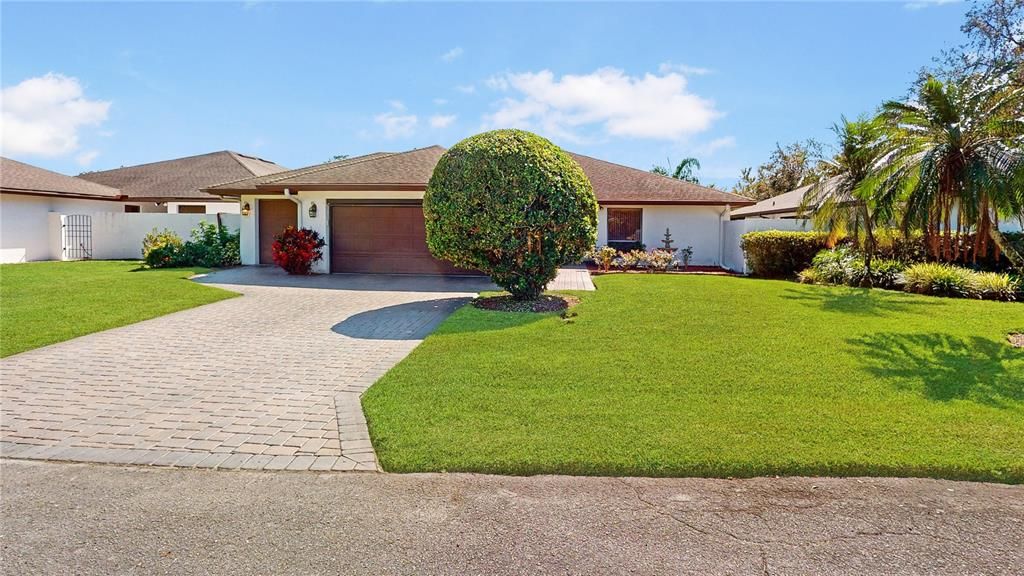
x,y
270,380
572,278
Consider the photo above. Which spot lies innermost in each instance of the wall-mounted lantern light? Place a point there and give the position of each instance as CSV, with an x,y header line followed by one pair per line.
x,y
312,209
245,209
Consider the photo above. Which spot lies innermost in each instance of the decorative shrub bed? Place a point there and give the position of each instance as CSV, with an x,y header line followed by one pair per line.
x,y
543,303
607,258
210,246
846,266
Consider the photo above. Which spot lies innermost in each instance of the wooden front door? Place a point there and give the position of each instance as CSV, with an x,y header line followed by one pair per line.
x,y
383,239
274,217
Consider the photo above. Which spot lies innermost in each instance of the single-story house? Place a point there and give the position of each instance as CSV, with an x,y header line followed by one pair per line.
x,y
28,195
176,185
786,206
783,206
369,211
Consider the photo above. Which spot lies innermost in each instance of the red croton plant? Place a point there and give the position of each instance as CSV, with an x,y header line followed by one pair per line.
x,y
296,249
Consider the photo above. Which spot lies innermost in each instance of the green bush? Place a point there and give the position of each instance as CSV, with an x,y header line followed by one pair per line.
x,y
939,280
512,205
160,248
995,286
210,246
779,254
844,265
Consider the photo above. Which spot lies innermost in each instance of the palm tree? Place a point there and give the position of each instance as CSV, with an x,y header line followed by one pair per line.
x,y
951,161
684,170
843,200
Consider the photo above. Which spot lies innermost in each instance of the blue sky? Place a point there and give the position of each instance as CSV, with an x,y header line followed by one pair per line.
x,y
97,86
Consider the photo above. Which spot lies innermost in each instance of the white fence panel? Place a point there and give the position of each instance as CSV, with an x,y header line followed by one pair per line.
x,y
735,229
117,236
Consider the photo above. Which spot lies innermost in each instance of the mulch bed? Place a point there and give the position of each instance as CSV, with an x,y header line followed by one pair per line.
x,y
546,303
1016,339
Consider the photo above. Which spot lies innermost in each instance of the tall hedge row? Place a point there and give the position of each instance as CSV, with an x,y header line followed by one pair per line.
x,y
780,254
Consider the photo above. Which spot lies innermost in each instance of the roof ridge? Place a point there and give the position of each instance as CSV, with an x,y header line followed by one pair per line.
x,y
160,162
237,157
303,171
329,165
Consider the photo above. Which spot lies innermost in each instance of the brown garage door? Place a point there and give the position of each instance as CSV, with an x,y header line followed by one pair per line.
x,y
383,240
275,216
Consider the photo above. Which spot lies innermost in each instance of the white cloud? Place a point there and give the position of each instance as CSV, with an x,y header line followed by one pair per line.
x,y
709,148
667,67
440,101
466,88
922,4
608,100
43,115
395,123
86,158
452,54
441,120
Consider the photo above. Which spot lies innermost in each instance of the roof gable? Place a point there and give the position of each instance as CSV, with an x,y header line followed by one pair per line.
x,y
18,177
183,178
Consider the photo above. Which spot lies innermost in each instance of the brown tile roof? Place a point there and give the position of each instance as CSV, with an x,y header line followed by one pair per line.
x,y
249,184
618,184
183,178
18,177
613,183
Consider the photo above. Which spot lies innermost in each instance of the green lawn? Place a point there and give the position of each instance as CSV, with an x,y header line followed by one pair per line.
x,y
714,376
46,302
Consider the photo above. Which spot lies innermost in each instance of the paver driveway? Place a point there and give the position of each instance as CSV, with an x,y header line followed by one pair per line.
x,y
270,380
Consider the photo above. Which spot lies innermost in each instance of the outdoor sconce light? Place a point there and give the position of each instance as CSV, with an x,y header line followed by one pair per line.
x,y
245,209
312,210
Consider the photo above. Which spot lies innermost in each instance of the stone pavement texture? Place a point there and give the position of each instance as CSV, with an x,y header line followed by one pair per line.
x,y
84,519
572,278
270,380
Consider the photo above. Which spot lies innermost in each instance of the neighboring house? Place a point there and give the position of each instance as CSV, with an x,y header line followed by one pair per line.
x,y
783,206
369,210
176,185
28,195
786,206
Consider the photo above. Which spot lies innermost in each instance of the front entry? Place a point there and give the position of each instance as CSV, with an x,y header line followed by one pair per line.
x,y
274,217
383,239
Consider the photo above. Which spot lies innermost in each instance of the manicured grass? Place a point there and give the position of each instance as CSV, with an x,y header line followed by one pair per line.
x,y
714,376
46,302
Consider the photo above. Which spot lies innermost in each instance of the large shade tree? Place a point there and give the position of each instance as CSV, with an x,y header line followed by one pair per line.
x,y
953,155
512,205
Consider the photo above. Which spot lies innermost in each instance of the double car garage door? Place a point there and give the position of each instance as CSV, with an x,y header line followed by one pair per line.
x,y
375,238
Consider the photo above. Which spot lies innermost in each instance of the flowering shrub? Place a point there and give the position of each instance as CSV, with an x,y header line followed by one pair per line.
x,y
604,256
160,249
661,260
296,249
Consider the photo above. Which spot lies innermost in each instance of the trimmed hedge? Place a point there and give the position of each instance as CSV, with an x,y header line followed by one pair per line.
x,y
512,205
780,254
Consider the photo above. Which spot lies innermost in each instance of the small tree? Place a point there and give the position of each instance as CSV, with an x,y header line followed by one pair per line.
x,y
512,205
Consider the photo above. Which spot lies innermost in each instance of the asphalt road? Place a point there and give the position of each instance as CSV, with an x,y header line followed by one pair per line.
x,y
94,519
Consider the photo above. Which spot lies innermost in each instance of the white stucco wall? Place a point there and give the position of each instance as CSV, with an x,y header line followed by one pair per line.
x,y
117,236
696,226
210,207
25,224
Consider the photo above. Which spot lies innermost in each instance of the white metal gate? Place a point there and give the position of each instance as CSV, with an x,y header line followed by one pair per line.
x,y
76,237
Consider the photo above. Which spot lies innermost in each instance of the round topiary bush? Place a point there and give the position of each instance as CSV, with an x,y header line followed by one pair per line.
x,y
512,205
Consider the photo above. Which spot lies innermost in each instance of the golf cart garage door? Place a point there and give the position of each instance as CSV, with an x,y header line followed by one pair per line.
x,y
382,239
